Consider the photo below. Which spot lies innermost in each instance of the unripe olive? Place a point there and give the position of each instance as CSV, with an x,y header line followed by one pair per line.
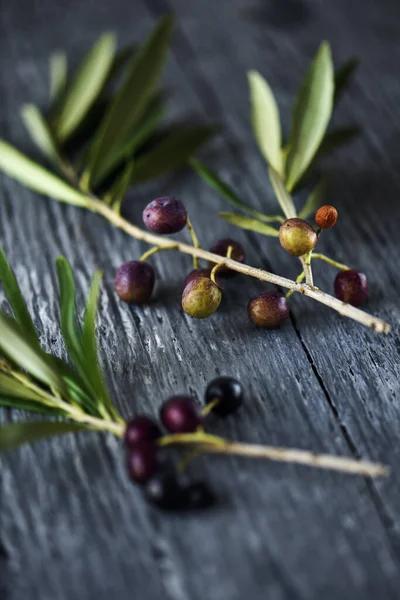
x,y
196,273
134,282
326,216
201,298
268,310
165,215
351,286
221,248
297,237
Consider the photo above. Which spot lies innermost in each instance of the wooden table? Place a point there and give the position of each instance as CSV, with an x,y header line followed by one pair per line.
x,y
72,525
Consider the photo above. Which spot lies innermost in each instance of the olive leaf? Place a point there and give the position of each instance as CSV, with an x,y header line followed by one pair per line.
x,y
58,75
227,192
13,435
118,190
343,77
284,198
172,152
85,86
314,199
12,388
22,351
36,177
249,223
311,115
130,101
337,137
265,120
133,139
40,132
16,300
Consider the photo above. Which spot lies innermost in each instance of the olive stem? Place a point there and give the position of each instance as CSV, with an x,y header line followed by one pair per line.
x,y
214,444
303,457
306,262
195,240
210,407
332,262
346,310
156,249
220,265
298,280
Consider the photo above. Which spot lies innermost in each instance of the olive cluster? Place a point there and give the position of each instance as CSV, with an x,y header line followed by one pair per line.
x,y
147,460
202,289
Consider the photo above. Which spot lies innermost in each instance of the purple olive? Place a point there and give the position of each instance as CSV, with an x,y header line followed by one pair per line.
x,y
181,414
268,310
165,215
351,286
134,282
221,248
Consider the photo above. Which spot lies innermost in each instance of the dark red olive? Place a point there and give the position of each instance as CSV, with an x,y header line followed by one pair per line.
x,y
141,429
165,215
221,248
134,282
268,310
142,462
181,414
351,286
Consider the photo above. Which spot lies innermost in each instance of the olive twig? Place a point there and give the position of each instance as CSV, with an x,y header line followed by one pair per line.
x,y
330,261
195,241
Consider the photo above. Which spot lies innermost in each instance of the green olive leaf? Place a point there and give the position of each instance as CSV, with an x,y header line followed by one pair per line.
x,y
14,389
314,200
343,77
227,192
311,115
13,435
86,85
16,300
133,139
265,120
58,75
172,152
249,223
117,192
284,198
19,349
40,132
130,101
36,177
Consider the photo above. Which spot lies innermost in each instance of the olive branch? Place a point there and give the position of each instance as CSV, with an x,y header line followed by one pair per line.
x,y
100,145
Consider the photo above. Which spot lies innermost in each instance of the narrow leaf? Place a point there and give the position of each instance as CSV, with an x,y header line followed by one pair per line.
x,y
265,120
172,152
249,223
336,138
314,200
86,85
14,389
20,350
226,191
37,178
89,342
131,99
343,77
70,327
31,406
284,198
311,115
13,435
40,132
120,186
58,75
151,117
16,300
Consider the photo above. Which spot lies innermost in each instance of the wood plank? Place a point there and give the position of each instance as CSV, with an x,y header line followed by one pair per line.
x,y
278,532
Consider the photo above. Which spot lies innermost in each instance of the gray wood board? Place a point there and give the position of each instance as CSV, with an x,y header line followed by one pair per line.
x,y
71,523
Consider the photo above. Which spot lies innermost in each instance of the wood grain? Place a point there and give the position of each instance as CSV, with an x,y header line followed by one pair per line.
x,y
71,524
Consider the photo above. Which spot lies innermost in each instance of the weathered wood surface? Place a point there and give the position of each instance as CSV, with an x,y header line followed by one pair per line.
x,y
72,526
